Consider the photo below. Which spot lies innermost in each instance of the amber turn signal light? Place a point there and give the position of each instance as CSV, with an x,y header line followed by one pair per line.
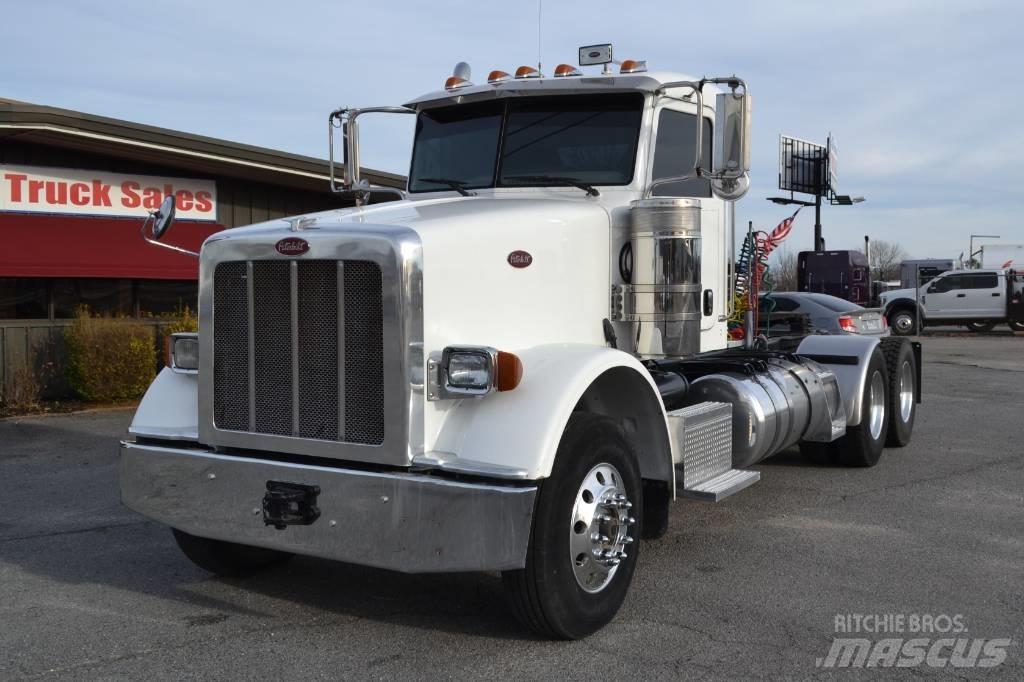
x,y
509,371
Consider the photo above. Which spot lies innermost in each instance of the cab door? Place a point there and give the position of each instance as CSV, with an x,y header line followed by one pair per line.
x,y
985,295
945,296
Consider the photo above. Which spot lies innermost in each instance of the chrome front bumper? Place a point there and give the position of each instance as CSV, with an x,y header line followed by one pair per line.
x,y
400,521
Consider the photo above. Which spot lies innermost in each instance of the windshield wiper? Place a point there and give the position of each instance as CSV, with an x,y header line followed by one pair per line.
x,y
557,180
459,187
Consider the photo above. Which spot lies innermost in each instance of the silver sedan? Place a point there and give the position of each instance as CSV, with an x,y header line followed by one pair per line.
x,y
825,314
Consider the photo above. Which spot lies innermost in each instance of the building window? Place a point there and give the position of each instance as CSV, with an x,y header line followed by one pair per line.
x,y
102,296
24,298
27,298
165,297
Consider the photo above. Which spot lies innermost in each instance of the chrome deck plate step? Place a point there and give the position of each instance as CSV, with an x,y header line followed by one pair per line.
x,y
723,485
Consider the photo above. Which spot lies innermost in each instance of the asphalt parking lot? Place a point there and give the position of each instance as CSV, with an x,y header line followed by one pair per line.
x,y
747,588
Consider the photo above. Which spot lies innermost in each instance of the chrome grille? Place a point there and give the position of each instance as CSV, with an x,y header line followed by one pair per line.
x,y
364,359
231,339
298,349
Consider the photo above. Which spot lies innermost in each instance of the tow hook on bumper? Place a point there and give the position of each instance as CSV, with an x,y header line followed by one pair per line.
x,y
290,504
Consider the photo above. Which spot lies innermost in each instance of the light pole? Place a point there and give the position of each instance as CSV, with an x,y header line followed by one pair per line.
x,y
839,200
970,253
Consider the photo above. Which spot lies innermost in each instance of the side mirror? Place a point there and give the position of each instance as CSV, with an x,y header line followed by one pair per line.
x,y
159,222
164,217
732,138
731,157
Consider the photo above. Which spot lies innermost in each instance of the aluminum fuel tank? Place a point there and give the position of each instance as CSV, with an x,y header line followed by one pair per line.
x,y
775,408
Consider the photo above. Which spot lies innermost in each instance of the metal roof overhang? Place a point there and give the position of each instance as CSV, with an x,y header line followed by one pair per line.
x,y
171,148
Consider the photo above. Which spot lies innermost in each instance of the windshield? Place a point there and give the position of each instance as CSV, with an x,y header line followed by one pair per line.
x,y
527,141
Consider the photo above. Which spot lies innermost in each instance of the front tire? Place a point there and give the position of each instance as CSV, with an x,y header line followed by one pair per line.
x,y
227,559
584,543
903,323
900,364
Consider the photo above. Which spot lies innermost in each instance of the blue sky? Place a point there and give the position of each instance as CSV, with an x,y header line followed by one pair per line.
x,y
923,96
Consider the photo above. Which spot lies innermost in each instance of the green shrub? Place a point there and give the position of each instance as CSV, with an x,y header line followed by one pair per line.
x,y
109,358
185,322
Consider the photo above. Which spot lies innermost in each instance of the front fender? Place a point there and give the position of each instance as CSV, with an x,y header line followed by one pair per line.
x,y
518,431
170,408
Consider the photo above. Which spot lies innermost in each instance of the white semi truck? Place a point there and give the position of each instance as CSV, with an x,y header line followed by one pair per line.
x,y
514,365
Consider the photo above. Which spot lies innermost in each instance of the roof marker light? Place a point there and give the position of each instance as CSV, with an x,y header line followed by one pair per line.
x,y
563,70
528,72
456,82
633,66
498,76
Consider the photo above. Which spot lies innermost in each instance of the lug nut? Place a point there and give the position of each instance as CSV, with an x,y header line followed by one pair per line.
x,y
627,540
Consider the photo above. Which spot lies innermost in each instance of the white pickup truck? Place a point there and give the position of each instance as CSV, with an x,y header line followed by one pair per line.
x,y
977,299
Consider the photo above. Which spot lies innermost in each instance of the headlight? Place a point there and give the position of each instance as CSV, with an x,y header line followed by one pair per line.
x,y
472,372
184,352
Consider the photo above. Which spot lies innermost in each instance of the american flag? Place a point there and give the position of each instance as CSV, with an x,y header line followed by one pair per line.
x,y
780,232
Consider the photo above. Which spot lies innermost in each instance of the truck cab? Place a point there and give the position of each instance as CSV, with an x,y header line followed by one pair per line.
x,y
514,365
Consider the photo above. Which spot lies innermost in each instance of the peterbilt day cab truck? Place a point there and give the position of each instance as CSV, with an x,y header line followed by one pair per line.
x,y
515,365
976,299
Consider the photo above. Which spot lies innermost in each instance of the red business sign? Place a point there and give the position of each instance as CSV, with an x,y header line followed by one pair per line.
x,y
520,259
292,246
36,189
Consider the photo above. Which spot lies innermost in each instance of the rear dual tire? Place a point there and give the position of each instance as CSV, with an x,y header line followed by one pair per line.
x,y
901,365
863,444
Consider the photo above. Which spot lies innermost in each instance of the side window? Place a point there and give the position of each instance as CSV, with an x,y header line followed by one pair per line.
x,y
984,280
785,305
945,284
674,153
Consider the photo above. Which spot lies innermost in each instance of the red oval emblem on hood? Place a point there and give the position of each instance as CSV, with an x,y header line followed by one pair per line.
x,y
292,246
520,259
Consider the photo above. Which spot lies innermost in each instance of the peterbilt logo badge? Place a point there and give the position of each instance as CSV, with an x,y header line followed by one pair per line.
x,y
292,246
520,259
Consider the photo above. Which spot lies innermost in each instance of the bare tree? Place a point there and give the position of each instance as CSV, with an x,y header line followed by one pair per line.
x,y
885,260
782,268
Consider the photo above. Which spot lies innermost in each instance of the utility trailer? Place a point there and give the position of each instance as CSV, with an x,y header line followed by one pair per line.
x,y
515,365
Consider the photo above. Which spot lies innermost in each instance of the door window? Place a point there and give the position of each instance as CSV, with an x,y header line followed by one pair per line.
x,y
945,284
981,280
674,154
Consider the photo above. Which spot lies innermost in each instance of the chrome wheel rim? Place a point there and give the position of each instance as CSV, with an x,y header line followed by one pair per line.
x,y
876,413
903,323
906,391
599,528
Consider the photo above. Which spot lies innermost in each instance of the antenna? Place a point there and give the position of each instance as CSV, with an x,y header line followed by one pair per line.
x,y
540,11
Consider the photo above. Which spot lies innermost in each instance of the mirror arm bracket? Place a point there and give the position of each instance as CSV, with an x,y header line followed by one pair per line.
x,y
351,183
697,87
150,220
